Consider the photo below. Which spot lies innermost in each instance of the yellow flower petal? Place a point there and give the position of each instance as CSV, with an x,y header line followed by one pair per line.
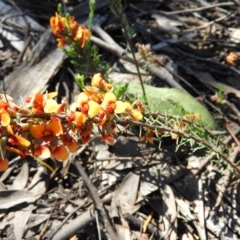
x,y
109,97
109,102
82,98
128,106
137,115
174,136
94,108
51,95
119,107
5,118
97,80
73,107
9,129
51,106
22,141
79,119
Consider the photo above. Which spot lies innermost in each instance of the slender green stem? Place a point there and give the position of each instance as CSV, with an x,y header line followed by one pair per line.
x,y
115,7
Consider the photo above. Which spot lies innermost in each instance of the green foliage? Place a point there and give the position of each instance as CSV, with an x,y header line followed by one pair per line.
x,y
171,101
60,9
117,10
131,32
120,90
91,13
80,80
95,56
86,60
220,92
70,52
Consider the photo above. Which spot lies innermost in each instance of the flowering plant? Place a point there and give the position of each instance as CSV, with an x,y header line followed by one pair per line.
x,y
45,128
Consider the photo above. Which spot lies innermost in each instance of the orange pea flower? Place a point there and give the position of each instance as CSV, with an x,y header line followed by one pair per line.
x,y
86,131
86,106
18,140
61,42
46,131
67,30
99,82
148,136
69,142
94,94
58,24
192,117
135,114
59,152
108,138
182,125
42,151
45,151
79,119
15,139
177,126
60,29
22,153
43,103
4,115
110,104
108,129
100,119
3,164
82,35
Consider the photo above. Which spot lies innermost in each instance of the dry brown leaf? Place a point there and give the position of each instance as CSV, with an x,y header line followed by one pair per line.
x,y
232,58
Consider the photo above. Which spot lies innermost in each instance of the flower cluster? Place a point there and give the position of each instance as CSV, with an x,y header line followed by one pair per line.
x,y
98,105
66,30
46,128
144,51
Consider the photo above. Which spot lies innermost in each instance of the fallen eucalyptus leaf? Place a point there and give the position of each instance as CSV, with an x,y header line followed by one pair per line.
x,y
20,221
11,198
21,179
126,194
171,101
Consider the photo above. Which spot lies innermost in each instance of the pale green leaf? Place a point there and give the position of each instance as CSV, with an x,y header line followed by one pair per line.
x,y
171,101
